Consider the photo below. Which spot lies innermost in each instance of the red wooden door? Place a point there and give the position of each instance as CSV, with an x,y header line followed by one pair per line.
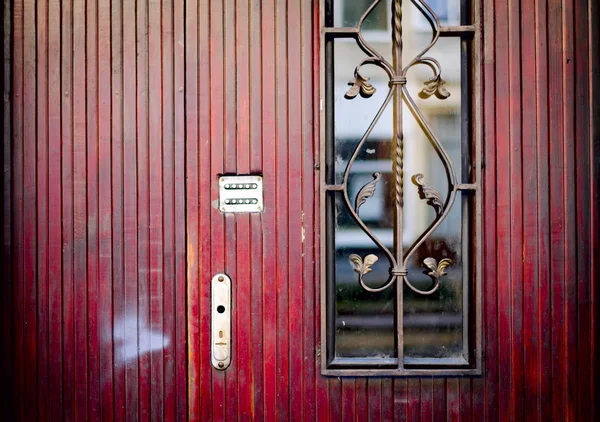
x,y
118,118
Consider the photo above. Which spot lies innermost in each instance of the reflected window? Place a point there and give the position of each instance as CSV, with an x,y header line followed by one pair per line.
x,y
352,11
400,190
447,11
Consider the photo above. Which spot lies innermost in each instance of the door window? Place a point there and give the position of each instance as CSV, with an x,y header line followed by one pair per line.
x,y
400,188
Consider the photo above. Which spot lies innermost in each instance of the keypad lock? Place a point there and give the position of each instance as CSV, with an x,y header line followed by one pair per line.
x,y
240,194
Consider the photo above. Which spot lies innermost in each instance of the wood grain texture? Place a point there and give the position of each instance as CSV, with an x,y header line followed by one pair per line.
x,y
118,118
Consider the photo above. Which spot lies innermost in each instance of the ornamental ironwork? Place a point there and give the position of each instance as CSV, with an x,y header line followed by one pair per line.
x,y
398,95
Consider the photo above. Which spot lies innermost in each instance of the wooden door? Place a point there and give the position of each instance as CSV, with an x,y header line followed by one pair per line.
x,y
118,117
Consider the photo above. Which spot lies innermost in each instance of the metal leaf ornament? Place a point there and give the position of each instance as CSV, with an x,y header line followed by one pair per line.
x,y
360,85
366,191
360,266
435,86
437,270
431,194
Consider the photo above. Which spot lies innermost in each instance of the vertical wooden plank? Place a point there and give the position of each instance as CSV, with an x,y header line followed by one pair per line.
x,y
256,227
530,214
322,390
105,220
29,210
211,138
544,345
217,159
180,208
18,209
348,398
143,215
130,212
426,399
310,47
80,209
569,209
164,392
516,210
503,201
387,399
400,399
582,183
41,229
243,293
452,399
374,401
229,166
478,384
466,410
594,76
205,175
297,235
295,282
67,186
413,398
490,297
156,154
555,104
118,211
269,297
361,398
335,400
439,398
92,123
197,380
6,253
281,207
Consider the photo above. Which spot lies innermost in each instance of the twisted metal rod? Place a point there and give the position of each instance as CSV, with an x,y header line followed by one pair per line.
x,y
398,81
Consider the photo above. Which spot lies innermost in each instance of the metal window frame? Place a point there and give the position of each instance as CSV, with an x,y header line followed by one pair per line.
x,y
471,41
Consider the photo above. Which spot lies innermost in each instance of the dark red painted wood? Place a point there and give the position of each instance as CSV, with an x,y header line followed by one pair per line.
x,y
105,214
6,181
121,118
117,164
41,204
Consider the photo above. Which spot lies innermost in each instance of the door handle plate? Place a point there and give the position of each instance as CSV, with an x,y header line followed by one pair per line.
x,y
221,321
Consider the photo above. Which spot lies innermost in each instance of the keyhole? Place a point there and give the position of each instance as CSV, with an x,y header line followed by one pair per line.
x,y
220,334
220,309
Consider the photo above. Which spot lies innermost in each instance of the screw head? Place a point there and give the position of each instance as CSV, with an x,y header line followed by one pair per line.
x,y
221,278
221,364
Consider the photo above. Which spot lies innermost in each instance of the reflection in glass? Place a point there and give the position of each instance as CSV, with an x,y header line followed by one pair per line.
x,y
364,320
434,325
352,11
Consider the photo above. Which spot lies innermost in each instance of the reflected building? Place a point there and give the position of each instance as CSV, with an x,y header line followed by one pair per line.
x,y
433,325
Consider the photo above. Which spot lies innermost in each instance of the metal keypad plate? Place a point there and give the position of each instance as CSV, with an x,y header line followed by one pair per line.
x,y
240,194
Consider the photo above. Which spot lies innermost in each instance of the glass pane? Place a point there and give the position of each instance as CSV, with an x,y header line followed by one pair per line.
x,y
353,117
447,11
351,11
433,324
364,320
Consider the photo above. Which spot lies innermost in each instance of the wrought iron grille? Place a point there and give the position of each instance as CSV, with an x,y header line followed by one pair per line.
x,y
399,255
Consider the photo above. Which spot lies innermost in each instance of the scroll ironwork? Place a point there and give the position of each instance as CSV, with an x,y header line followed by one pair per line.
x,y
398,95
